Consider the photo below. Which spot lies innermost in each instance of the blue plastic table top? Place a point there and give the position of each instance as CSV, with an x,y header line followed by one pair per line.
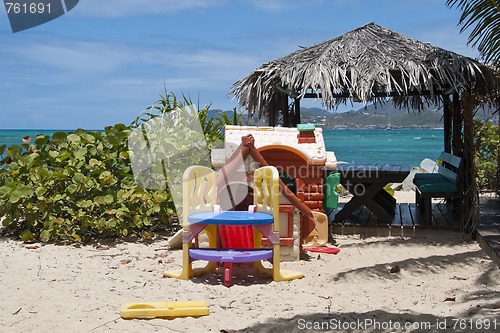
x,y
231,218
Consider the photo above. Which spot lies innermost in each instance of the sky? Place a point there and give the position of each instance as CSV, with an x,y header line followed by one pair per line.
x,y
105,61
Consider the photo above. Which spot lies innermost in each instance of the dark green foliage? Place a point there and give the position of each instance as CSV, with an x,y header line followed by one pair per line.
x,y
76,185
486,146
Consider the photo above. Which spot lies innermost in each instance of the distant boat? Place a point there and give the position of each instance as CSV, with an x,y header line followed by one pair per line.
x,y
388,128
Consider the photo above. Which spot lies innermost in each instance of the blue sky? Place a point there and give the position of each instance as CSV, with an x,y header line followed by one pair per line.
x,y
105,61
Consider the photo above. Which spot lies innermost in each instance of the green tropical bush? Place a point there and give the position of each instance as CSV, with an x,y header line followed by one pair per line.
x,y
74,186
487,141
80,185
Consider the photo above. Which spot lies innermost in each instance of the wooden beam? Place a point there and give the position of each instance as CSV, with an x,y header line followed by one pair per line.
x,y
297,112
284,109
272,117
286,92
447,122
382,94
457,143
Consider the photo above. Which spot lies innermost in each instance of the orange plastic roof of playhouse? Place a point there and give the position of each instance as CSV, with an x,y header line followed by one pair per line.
x,y
275,137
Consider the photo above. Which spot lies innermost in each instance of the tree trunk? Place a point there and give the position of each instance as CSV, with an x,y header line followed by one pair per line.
x,y
471,196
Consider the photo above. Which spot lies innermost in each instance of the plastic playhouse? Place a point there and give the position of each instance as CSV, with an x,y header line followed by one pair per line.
x,y
299,154
264,203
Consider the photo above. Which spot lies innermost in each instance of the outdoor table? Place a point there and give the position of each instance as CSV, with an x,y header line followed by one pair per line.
x,y
366,183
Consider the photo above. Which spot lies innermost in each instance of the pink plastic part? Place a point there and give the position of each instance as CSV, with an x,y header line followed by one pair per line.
x,y
228,270
193,230
323,249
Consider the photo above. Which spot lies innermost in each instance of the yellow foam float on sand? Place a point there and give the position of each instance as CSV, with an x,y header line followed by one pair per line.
x,y
164,309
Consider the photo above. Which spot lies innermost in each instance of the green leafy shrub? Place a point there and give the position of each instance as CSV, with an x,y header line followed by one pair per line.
x,y
74,186
486,159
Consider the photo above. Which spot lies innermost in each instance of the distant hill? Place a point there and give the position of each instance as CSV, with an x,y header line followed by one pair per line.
x,y
216,112
372,117
379,116
382,116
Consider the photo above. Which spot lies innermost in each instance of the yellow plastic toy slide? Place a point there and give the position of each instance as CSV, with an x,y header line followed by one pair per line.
x,y
168,310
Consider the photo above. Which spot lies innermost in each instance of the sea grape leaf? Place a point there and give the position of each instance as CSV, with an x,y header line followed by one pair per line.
x,y
94,162
45,236
88,137
80,153
72,188
41,140
27,236
20,192
13,150
78,177
4,190
59,137
74,138
40,191
85,203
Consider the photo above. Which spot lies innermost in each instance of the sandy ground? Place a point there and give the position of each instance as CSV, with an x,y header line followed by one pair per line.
x,y
439,282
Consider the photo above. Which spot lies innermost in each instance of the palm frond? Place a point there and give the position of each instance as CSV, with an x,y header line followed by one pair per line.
x,y
483,16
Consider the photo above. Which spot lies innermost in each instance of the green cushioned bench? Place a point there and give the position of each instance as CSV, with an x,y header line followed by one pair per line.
x,y
443,184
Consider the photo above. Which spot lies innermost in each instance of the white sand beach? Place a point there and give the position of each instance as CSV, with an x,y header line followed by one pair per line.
x,y
439,282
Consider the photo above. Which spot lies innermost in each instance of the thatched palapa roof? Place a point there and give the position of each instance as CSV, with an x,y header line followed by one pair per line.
x,y
365,64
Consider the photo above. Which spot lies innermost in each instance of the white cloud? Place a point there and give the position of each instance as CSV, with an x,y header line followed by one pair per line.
x,y
37,118
210,60
123,71
279,5
81,57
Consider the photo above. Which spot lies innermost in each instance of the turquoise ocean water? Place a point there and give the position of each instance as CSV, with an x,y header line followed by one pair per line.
x,y
360,146
385,146
15,137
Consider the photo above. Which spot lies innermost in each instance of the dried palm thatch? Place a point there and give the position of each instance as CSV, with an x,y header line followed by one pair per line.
x,y
365,64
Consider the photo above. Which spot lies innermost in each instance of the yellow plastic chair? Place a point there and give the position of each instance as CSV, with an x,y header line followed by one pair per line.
x,y
199,194
266,198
